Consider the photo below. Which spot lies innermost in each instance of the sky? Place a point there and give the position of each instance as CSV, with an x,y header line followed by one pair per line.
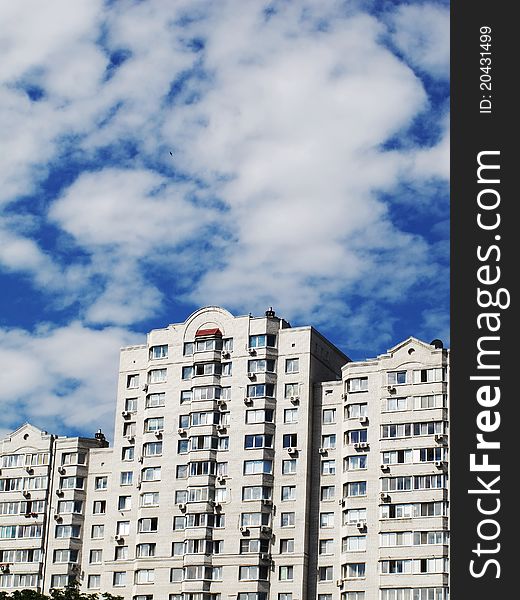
x,y
163,155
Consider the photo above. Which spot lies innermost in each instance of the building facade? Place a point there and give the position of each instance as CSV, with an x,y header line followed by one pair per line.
x,y
43,481
254,461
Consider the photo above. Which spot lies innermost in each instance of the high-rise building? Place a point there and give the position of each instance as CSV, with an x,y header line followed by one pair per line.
x,y
253,460
43,480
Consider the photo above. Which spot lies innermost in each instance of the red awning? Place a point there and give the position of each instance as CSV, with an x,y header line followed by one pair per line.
x,y
205,332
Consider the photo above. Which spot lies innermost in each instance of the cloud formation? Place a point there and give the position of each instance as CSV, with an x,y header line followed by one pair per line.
x,y
188,153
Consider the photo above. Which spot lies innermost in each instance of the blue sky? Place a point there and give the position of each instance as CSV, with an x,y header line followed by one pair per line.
x,y
159,156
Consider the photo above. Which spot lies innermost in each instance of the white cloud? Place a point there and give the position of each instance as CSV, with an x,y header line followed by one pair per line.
x,y
61,377
422,33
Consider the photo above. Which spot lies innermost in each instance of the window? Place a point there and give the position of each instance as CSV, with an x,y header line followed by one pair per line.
x,y
291,390
147,525
97,532
67,531
132,381
292,365
129,429
259,416
287,546
119,578
227,345
326,547
208,345
126,477
72,483
252,467
95,557
144,576
60,556
254,519
73,458
290,440
429,401
159,352
396,377
356,436
286,573
101,483
67,506
287,519
131,404
258,441
327,519
260,390
328,492
356,488
356,411
187,372
154,424
357,384
186,396
183,446
354,543
155,400
289,466
61,581
290,415
329,416
181,471
209,368
121,553
325,573
328,441
288,492
422,593
124,503
262,341
99,507
356,462
127,453
256,492
252,573
151,474
353,596
145,550
394,404
354,515
429,375
261,366
152,449
328,467
285,596
157,376
353,570
123,528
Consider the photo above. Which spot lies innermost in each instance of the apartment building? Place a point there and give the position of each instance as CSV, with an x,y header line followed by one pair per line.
x,y
205,493
380,449
251,460
42,506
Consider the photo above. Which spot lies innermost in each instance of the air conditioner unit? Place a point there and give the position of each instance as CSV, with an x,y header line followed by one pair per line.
x,y
251,351
145,387
126,414
440,464
357,445
244,529
221,402
221,427
26,493
225,354
295,399
384,497
29,470
217,505
265,556
182,506
251,375
140,459
343,396
158,434
58,518
292,450
267,502
342,501
58,493
181,431
118,538
248,400
385,467
363,444
221,478
361,524
265,529
363,420
440,438
323,450
130,438
4,568
339,582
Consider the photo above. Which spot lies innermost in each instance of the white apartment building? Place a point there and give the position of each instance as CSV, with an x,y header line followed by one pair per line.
x,y
380,448
253,460
42,507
